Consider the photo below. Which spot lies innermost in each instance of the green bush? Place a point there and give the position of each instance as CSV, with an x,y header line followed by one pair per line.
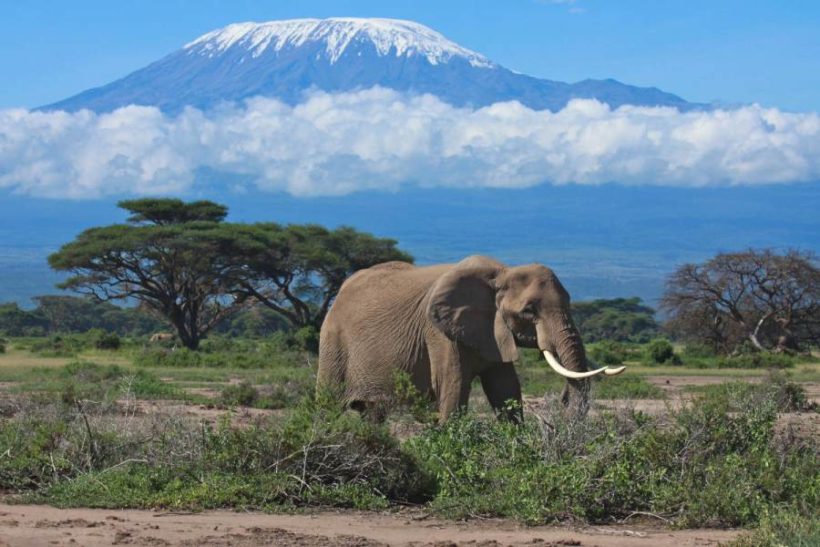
x,y
243,394
286,393
105,340
608,352
661,352
3,343
320,455
776,387
780,528
709,467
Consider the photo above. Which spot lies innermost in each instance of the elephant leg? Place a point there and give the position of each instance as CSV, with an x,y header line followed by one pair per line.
x,y
454,397
501,385
452,376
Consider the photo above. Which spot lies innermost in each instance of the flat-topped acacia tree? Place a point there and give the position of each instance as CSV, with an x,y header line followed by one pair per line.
x,y
164,257
183,262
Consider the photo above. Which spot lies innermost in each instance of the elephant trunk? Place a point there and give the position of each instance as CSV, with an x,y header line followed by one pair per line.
x,y
571,363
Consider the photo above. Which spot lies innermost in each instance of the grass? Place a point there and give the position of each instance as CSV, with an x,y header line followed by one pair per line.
x,y
85,380
282,383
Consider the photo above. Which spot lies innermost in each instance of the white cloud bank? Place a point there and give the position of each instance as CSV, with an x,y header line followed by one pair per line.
x,y
340,143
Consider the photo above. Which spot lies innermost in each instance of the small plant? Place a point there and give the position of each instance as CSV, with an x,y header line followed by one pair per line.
x,y
408,399
243,394
661,352
3,343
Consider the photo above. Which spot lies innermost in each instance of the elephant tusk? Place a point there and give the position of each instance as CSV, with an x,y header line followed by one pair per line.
x,y
565,372
613,371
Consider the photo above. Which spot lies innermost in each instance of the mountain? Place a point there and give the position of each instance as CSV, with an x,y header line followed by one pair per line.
x,y
284,58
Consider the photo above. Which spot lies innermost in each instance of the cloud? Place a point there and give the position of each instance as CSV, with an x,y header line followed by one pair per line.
x,y
333,144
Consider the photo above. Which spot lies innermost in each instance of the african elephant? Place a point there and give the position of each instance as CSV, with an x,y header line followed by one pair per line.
x,y
444,325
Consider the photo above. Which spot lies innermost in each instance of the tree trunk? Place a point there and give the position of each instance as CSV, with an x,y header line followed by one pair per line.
x,y
753,336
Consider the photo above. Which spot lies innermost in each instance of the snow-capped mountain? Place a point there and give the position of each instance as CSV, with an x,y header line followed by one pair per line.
x,y
388,36
284,58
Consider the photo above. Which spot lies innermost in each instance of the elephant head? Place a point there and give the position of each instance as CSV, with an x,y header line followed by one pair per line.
x,y
495,309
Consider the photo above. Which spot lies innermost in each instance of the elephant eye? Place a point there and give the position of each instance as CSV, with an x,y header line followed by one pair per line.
x,y
528,311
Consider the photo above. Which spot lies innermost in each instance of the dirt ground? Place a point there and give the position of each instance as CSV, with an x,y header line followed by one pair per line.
x,y
35,526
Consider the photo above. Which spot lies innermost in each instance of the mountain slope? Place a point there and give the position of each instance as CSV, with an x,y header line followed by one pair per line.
x,y
284,58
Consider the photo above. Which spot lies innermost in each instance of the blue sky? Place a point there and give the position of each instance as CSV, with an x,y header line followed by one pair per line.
x,y
727,50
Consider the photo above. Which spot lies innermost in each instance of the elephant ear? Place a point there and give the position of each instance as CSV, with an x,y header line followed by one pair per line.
x,y
462,306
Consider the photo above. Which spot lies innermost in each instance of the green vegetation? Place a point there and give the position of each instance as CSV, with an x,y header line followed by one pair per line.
x,y
318,456
661,352
777,387
709,467
608,352
715,463
781,527
618,319
82,380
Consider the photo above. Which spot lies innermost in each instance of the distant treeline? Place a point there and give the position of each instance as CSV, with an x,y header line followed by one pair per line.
x,y
72,315
621,319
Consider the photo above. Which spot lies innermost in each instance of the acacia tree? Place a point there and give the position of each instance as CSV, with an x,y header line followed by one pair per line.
x,y
770,299
297,270
181,261
163,257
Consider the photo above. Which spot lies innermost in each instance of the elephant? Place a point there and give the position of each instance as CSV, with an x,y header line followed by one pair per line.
x,y
444,325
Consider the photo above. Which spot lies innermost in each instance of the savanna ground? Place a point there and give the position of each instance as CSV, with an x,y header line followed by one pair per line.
x,y
148,446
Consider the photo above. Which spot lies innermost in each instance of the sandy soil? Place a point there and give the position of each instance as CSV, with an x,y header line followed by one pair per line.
x,y
29,526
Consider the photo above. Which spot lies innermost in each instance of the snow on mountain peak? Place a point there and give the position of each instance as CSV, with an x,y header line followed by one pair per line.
x,y
404,38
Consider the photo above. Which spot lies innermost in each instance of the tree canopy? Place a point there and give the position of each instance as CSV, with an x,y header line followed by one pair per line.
x,y
619,319
172,211
297,270
768,299
183,262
